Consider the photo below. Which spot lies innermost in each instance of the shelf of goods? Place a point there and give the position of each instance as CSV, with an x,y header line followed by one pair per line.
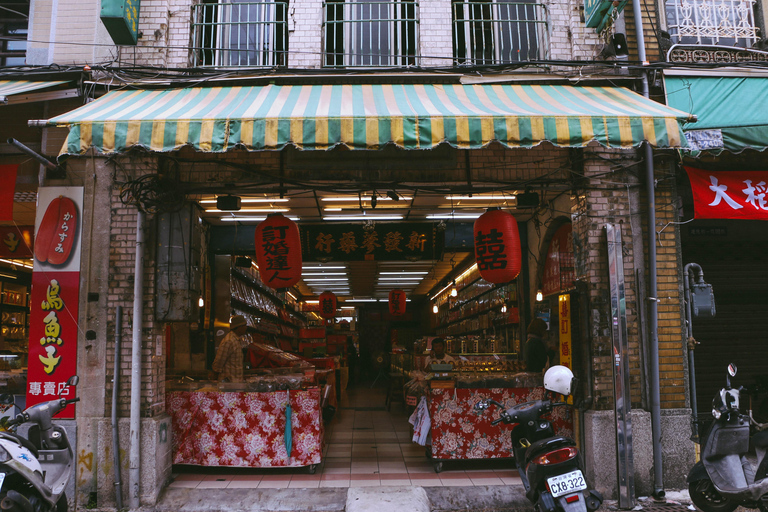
x,y
265,313
14,332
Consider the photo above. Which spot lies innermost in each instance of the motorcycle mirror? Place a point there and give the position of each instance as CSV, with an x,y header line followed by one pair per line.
x,y
73,380
481,405
732,370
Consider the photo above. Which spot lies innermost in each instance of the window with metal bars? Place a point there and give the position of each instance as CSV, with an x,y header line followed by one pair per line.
x,y
240,33
497,32
370,33
713,22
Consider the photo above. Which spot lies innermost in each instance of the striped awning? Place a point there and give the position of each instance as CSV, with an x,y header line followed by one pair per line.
x,y
412,116
14,87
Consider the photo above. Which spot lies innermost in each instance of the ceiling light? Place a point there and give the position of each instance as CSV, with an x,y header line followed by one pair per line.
x,y
323,274
449,216
250,219
332,209
434,308
322,268
441,291
348,307
539,296
356,198
251,210
18,263
454,291
200,302
402,273
330,280
363,217
252,200
362,300
311,302
401,278
291,295
481,197
8,276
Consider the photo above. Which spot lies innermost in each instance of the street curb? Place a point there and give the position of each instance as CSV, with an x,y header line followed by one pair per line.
x,y
488,498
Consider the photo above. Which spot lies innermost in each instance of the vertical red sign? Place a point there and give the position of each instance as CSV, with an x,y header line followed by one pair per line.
x,y
54,303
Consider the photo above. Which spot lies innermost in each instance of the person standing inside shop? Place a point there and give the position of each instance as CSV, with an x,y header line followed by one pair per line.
x,y
228,365
438,355
536,353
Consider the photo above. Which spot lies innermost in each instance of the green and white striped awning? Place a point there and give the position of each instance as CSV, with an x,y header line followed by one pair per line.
x,y
14,87
413,116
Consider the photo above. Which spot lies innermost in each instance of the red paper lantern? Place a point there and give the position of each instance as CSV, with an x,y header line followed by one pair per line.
x,y
497,246
327,305
396,302
278,251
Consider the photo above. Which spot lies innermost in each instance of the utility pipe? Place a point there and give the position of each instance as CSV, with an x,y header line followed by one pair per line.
x,y
653,300
691,343
37,156
134,476
115,430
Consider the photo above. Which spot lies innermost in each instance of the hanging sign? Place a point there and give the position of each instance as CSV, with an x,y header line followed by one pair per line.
x,y
729,194
278,251
328,305
380,242
7,190
564,305
54,302
121,19
558,267
396,302
16,241
497,246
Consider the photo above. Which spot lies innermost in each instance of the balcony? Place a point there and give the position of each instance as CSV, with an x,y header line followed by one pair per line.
x,y
493,33
363,33
725,23
240,34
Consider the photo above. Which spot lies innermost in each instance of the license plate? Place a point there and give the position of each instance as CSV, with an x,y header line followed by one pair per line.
x,y
567,483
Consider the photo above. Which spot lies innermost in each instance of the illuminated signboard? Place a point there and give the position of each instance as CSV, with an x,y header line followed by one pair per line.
x,y
121,18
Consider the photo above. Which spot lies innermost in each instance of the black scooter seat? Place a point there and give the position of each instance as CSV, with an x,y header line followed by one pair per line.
x,y
547,445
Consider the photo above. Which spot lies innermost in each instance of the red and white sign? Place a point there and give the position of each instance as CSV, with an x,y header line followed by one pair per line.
x,y
729,195
54,302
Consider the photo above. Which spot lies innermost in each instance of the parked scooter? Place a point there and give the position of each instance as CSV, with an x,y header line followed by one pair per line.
x,y
724,478
550,466
35,470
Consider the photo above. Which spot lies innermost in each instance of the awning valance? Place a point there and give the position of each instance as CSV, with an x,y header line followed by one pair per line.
x,y
731,111
412,116
13,88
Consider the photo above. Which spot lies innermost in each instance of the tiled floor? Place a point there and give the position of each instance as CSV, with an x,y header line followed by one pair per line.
x,y
365,446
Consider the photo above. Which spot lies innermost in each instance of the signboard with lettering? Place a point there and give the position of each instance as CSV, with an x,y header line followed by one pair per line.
x,y
564,307
381,242
558,267
16,241
729,194
121,19
54,302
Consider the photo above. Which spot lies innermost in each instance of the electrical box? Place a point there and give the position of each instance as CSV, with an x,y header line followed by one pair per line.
x,y
702,301
121,19
179,255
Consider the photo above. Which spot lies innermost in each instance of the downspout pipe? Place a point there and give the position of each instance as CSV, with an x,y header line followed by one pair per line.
x,y
115,429
653,300
134,473
688,272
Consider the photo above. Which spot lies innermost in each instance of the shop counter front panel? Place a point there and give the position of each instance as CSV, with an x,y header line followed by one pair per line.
x,y
246,429
459,432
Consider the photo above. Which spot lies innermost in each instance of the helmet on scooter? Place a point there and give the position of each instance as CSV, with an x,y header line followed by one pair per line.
x,y
559,379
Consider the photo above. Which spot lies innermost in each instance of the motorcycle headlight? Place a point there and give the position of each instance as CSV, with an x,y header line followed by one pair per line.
x,y
4,455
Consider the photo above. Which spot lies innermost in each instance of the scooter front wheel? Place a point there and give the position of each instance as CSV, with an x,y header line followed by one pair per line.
x,y
708,499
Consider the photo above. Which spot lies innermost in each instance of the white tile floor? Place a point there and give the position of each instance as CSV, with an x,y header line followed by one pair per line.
x,y
365,446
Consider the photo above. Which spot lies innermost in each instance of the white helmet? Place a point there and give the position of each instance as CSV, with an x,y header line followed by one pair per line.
x,y
559,379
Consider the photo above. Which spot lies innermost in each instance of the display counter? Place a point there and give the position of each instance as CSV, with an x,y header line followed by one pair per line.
x,y
227,425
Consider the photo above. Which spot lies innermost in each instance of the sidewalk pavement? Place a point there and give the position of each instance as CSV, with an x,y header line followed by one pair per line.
x,y
494,498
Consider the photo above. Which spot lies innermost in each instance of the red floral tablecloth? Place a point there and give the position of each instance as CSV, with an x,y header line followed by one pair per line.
x,y
245,429
460,432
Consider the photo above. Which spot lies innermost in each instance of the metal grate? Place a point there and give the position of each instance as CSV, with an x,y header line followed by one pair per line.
x,y
240,34
363,33
489,33
720,22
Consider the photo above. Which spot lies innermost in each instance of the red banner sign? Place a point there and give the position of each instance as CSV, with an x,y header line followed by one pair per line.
x,y
558,267
729,195
16,241
7,190
54,302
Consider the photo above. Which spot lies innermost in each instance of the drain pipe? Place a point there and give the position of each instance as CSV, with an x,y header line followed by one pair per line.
x,y
115,430
687,274
653,309
134,476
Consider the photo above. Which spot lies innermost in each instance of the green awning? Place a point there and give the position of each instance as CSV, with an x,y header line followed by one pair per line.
x,y
411,116
11,88
731,111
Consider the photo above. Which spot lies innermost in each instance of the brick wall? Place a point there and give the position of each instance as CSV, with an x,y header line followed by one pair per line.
x,y
435,33
305,34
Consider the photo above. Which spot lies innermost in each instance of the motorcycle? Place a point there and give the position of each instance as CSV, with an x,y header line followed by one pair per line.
x,y
725,478
35,470
550,466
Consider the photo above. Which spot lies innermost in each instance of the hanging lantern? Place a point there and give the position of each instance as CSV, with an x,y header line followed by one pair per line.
x,y
396,302
278,251
328,305
497,246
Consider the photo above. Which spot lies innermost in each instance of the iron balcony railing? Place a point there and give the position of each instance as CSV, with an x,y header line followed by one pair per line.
x,y
712,22
491,33
363,33
240,34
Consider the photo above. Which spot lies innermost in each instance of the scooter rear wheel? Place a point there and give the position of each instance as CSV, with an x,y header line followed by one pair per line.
x,y
708,499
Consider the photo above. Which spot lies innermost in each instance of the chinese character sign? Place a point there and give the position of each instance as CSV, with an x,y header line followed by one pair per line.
x,y
16,241
564,306
327,305
278,251
54,302
559,266
497,246
729,195
382,242
396,302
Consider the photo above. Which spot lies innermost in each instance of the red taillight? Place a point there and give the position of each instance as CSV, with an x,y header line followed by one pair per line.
x,y
572,498
557,456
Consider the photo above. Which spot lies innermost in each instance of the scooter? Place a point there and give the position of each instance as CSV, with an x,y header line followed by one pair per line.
x,y
35,470
724,478
550,466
